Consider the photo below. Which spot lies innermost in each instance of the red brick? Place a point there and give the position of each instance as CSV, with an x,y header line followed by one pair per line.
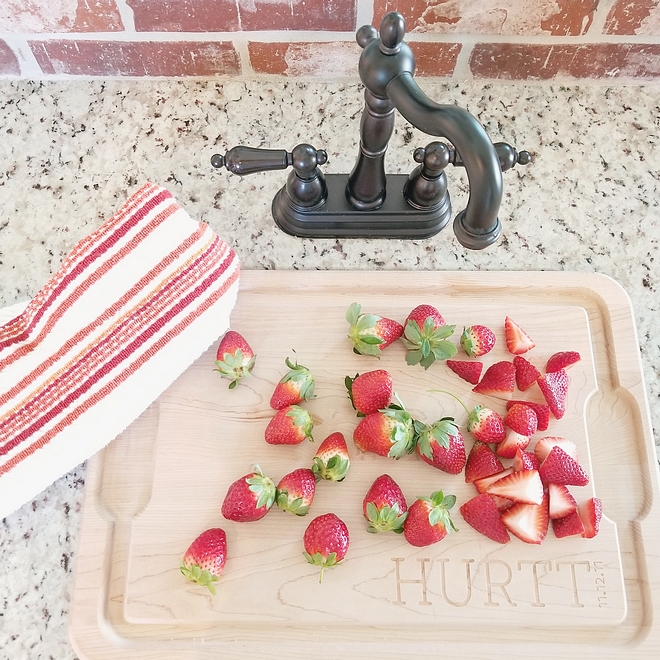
x,y
508,17
124,58
9,65
641,17
544,62
72,16
310,59
435,59
185,15
326,15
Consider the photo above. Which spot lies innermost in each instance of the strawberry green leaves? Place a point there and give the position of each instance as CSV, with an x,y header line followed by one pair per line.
x,y
429,343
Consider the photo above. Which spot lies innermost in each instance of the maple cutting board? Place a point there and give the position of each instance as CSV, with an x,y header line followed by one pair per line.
x,y
162,482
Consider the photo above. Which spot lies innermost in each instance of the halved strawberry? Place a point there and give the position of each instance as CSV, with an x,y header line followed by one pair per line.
x,y
562,360
441,445
477,340
517,340
481,462
499,380
481,513
524,486
560,468
482,485
370,391
554,386
542,411
562,503
590,513
370,333
525,460
425,336
568,525
545,444
486,425
512,443
526,373
529,522
468,370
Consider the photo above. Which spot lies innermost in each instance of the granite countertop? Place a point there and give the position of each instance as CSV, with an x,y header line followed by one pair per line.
x,y
72,152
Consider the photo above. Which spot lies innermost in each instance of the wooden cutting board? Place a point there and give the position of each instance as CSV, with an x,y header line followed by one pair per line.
x,y
162,482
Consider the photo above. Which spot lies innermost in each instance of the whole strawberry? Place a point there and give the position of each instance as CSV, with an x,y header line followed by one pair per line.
x,y
296,386
204,561
387,433
295,491
384,506
250,497
477,340
289,426
441,445
425,336
369,333
326,541
370,391
331,461
234,358
428,519
486,425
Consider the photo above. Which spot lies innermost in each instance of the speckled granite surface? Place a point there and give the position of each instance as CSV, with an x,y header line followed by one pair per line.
x,y
71,152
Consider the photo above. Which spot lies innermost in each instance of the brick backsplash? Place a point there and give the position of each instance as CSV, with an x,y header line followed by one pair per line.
x,y
315,39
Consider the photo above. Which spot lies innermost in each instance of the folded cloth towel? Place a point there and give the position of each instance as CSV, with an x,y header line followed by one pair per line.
x,y
133,305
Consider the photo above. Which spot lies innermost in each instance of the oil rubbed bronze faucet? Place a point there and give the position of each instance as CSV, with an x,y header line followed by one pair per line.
x,y
368,202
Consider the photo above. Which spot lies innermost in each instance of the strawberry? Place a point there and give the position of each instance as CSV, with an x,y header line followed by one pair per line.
x,y
569,525
204,561
482,485
326,541
387,433
441,445
481,462
562,503
369,333
289,426
545,444
370,391
295,491
590,513
560,468
562,360
513,443
477,340
234,358
525,460
468,370
481,513
428,519
526,373
384,506
517,340
541,409
554,386
250,497
331,461
521,419
529,522
524,486
296,386
486,425
499,380
425,336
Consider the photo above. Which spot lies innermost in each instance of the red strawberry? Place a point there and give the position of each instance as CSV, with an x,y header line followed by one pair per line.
x,y
384,506
524,486
296,386
568,525
249,498
590,513
331,461
482,485
441,445
370,391
204,561
295,491
477,340
387,433
541,409
428,519
517,340
526,373
486,425
326,541
521,419
481,513
545,444
554,387
560,468
425,336
562,360
529,522
525,460
289,426
562,503
513,443
466,369
234,358
369,333
499,380
481,462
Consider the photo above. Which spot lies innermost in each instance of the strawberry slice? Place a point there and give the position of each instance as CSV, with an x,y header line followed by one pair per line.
x,y
524,486
468,370
562,503
481,462
484,483
590,513
526,373
512,444
570,525
481,513
499,380
529,522
554,387
560,468
562,360
517,340
541,409
545,444
525,460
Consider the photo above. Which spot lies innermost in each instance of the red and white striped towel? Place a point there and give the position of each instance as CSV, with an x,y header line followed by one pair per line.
x,y
131,308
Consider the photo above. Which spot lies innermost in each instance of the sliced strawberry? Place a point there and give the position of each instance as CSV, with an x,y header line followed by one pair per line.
x,y
560,468
569,525
529,522
486,425
481,513
521,419
525,460
481,462
483,484
542,411
562,503
545,444
524,486
468,370
499,380
590,513
526,373
513,443
562,360
517,340
554,387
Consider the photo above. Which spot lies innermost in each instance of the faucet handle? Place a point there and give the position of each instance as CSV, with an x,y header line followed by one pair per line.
x,y
507,155
243,160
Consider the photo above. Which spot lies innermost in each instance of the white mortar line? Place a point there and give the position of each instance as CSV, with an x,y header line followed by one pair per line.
x,y
127,15
364,13
26,60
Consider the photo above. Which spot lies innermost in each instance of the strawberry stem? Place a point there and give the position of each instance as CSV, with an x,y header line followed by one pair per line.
x,y
455,397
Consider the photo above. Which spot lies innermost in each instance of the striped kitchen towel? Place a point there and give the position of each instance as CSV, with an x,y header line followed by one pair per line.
x,y
133,305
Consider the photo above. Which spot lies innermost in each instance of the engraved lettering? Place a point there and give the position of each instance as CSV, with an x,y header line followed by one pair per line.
x,y
490,584
548,564
468,583
576,596
399,580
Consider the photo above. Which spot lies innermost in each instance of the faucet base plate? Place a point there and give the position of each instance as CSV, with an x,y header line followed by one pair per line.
x,y
338,219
